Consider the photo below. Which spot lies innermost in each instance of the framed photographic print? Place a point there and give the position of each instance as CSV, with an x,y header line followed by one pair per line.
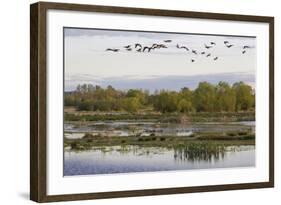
x,y
134,102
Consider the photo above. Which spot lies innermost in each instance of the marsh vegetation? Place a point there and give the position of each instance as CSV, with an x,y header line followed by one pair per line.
x,y
212,126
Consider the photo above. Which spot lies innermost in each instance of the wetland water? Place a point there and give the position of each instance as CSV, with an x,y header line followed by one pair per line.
x,y
134,158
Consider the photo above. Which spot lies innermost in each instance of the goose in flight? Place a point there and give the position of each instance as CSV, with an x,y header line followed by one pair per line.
x,y
226,42
244,51
192,60
208,55
229,46
194,51
128,46
167,41
138,45
202,53
146,47
154,45
212,43
112,49
216,58
245,47
208,46
182,47
162,46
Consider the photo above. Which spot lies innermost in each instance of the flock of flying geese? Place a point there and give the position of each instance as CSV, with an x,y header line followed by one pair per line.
x,y
140,48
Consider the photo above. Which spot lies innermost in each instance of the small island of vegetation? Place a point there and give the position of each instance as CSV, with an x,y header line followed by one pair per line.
x,y
208,104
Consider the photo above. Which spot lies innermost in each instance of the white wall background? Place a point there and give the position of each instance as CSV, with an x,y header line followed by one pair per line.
x,y
14,101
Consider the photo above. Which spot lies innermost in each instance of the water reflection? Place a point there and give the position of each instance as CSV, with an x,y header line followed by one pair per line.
x,y
125,159
199,151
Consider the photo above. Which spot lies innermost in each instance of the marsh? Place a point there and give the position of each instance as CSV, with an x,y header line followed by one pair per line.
x,y
144,146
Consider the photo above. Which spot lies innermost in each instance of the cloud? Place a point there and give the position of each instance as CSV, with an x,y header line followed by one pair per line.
x,y
155,82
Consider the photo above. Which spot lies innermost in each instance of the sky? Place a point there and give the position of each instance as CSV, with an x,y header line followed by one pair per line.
x,y
87,61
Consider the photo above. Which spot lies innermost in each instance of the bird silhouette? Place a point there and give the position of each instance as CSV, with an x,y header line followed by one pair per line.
x,y
128,49
245,47
154,45
229,46
212,43
208,55
128,46
194,51
167,41
244,51
182,47
112,49
192,60
162,46
138,50
226,42
138,45
203,52
146,48
216,58
208,46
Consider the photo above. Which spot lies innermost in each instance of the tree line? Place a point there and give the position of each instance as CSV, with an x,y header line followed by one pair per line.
x,y
207,97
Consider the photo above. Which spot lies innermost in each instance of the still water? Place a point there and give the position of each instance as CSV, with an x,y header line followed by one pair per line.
x,y
126,159
146,128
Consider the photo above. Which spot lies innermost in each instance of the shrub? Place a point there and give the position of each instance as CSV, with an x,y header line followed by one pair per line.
x,y
73,145
248,137
153,138
88,136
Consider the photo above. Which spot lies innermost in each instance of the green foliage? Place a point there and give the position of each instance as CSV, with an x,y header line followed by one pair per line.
x,y
141,96
131,104
245,97
86,105
166,101
70,100
185,106
205,98
225,97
